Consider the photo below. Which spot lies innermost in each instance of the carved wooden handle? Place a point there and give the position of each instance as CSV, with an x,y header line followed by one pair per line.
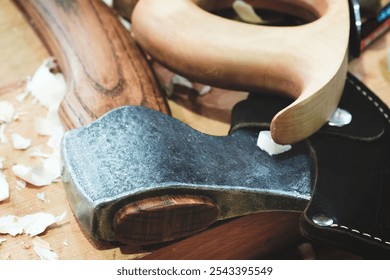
x,y
307,62
104,69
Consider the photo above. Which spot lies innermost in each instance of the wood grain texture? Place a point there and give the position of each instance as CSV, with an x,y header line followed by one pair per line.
x,y
104,70
307,63
103,67
240,238
208,113
161,219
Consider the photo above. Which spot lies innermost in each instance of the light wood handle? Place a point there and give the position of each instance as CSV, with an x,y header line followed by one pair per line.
x,y
104,69
307,62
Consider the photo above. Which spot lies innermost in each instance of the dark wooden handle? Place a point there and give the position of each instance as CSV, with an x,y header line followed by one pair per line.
x,y
104,70
103,67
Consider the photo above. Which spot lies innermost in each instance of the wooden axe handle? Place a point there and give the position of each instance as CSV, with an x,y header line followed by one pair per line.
x,y
308,62
104,69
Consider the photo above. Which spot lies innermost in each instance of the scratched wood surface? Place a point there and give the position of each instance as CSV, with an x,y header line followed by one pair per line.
x,y
21,53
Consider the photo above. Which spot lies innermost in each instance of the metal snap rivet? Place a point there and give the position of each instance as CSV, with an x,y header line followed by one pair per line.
x,y
340,118
323,220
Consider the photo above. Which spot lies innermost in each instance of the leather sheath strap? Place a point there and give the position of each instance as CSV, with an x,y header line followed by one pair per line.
x,y
350,204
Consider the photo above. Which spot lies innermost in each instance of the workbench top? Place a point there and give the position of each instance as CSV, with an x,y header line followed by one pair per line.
x,y
21,53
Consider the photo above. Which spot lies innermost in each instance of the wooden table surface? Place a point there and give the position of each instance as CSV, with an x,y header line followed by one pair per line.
x,y
21,53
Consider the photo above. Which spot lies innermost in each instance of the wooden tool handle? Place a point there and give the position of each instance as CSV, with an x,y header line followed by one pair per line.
x,y
307,62
104,69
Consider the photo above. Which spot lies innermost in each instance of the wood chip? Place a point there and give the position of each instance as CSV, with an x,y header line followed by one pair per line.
x,y
48,88
41,175
43,249
7,112
246,12
4,187
19,142
32,224
267,144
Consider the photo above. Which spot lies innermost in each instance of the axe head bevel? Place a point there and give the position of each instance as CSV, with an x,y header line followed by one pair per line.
x,y
134,154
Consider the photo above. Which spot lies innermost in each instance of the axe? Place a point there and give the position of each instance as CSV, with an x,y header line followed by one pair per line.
x,y
159,203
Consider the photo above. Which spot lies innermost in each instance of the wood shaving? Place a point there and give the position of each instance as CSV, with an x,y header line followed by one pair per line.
x,y
56,138
49,125
246,12
43,249
3,137
48,88
19,142
204,90
41,175
37,223
267,144
109,3
21,97
125,23
32,224
41,196
4,187
180,80
6,112
43,126
38,153
9,225
2,240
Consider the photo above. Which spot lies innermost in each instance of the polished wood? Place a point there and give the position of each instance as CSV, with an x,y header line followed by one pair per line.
x,y
246,237
23,52
103,67
307,63
160,219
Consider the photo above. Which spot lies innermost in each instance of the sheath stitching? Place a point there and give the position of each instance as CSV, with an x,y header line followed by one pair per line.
x,y
362,233
382,111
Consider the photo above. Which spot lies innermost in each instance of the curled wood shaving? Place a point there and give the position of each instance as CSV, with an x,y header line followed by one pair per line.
x,y
7,112
246,12
38,153
32,224
41,196
267,144
19,142
2,240
3,137
41,175
48,88
4,187
204,90
43,249
180,80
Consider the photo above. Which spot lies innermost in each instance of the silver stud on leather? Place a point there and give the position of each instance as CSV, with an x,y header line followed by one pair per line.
x,y
323,220
340,118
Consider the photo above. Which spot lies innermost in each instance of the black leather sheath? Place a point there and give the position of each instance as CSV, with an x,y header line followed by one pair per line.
x,y
350,203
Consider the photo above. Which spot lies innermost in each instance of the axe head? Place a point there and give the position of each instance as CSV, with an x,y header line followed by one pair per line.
x,y
139,176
